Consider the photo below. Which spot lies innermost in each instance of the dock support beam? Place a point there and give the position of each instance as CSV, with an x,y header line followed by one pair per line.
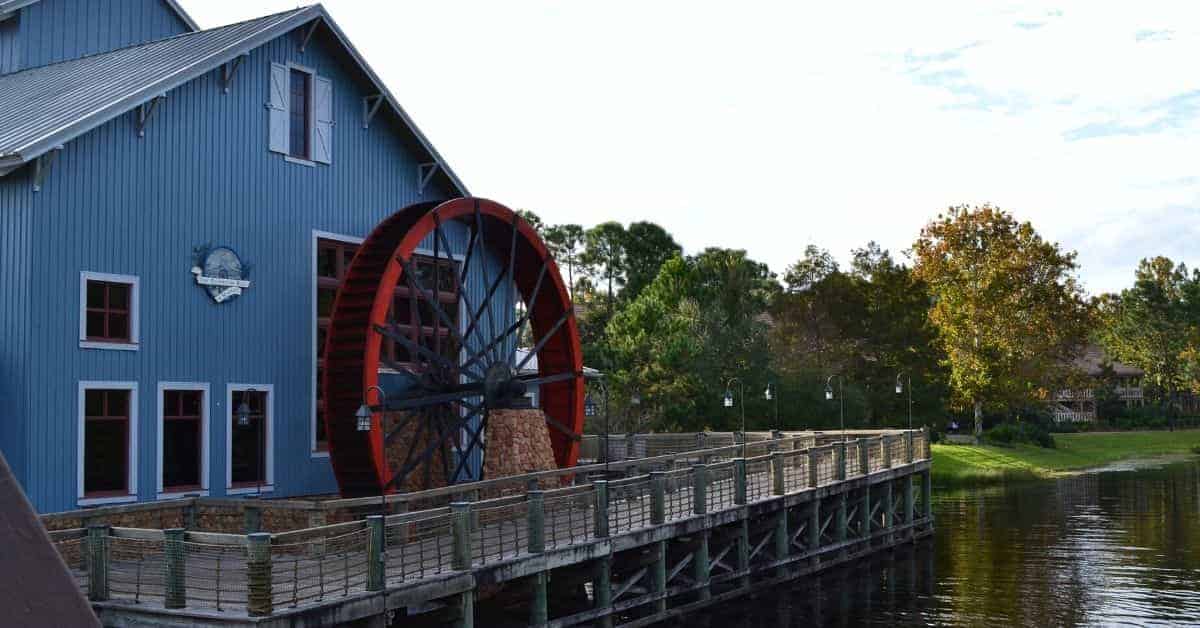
x,y
864,514
175,589
602,588
539,612
927,493
909,508
841,518
700,567
781,541
659,579
97,547
743,551
889,507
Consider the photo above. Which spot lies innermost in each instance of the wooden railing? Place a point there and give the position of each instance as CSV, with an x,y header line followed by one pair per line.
x,y
478,524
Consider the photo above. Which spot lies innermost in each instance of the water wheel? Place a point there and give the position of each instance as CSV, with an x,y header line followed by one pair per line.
x,y
425,331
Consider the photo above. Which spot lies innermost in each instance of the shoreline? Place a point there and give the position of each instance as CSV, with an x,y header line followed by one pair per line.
x,y
970,465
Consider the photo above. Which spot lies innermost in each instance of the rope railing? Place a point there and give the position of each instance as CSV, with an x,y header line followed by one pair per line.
x,y
418,546
313,570
569,517
629,505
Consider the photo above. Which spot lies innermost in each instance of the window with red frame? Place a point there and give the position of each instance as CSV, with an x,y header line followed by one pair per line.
x,y
108,311
105,443
183,439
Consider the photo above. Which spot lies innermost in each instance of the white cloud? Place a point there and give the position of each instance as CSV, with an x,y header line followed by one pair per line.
x,y
768,125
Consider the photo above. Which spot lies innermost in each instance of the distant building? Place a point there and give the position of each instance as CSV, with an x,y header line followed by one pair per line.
x,y
1079,404
145,167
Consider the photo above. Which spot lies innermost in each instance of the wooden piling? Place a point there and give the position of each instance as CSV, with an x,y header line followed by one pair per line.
x,y
778,486
658,497
700,566
98,561
601,509
460,559
175,585
258,575
376,533
602,588
699,489
536,521
739,481
539,607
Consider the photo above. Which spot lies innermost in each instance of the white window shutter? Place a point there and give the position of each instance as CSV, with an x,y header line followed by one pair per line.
x,y
278,106
322,140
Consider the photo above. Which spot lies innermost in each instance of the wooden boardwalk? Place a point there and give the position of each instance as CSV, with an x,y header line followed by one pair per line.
x,y
810,501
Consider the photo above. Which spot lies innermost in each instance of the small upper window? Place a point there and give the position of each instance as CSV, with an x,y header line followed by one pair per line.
x,y
108,316
299,116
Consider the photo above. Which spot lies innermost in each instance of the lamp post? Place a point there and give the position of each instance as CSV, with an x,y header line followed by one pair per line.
x,y
364,416
772,394
243,420
900,389
589,409
729,404
841,399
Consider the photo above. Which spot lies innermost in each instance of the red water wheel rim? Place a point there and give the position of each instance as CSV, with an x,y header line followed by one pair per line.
x,y
468,366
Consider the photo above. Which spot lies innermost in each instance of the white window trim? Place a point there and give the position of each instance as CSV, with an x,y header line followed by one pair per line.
x,y
268,442
205,434
131,480
317,236
134,311
312,124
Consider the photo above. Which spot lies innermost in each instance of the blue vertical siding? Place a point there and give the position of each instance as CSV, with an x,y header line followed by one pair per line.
x,y
16,264
116,203
55,30
11,50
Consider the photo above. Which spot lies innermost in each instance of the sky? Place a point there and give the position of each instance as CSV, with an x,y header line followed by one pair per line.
x,y
768,126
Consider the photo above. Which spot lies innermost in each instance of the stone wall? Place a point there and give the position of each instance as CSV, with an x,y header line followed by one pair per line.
x,y
518,441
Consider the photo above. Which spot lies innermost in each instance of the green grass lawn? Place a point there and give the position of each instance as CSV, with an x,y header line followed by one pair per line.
x,y
961,464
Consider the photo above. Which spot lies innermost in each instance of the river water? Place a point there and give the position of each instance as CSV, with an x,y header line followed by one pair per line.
x,y
1114,547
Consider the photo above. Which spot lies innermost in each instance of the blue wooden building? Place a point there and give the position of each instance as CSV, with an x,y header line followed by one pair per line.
x,y
176,207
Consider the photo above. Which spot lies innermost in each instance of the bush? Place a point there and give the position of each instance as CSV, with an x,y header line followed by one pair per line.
x,y
1009,434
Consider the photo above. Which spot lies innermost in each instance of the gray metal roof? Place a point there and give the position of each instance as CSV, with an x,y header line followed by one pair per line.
x,y
9,6
47,106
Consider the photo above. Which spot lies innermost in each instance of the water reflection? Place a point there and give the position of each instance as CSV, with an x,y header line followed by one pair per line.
x,y
1111,548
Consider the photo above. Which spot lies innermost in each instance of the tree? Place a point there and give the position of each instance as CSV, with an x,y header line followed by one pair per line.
x,y
566,242
1007,305
696,325
1153,324
647,247
533,219
604,252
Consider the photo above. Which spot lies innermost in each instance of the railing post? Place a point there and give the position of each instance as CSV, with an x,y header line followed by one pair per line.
x,y
925,442
473,496
97,548
658,497
175,587
464,610
841,463
739,481
908,447
701,444
777,484
812,468
252,518
537,521
258,575
699,489
887,452
460,559
601,509
375,557
864,460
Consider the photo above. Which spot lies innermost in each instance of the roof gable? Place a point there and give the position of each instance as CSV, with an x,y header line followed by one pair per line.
x,y
51,105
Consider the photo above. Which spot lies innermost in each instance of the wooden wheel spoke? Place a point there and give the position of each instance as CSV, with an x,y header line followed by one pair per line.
x,y
543,340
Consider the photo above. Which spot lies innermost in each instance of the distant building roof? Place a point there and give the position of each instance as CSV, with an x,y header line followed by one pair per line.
x,y
1093,359
531,367
35,587
45,107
